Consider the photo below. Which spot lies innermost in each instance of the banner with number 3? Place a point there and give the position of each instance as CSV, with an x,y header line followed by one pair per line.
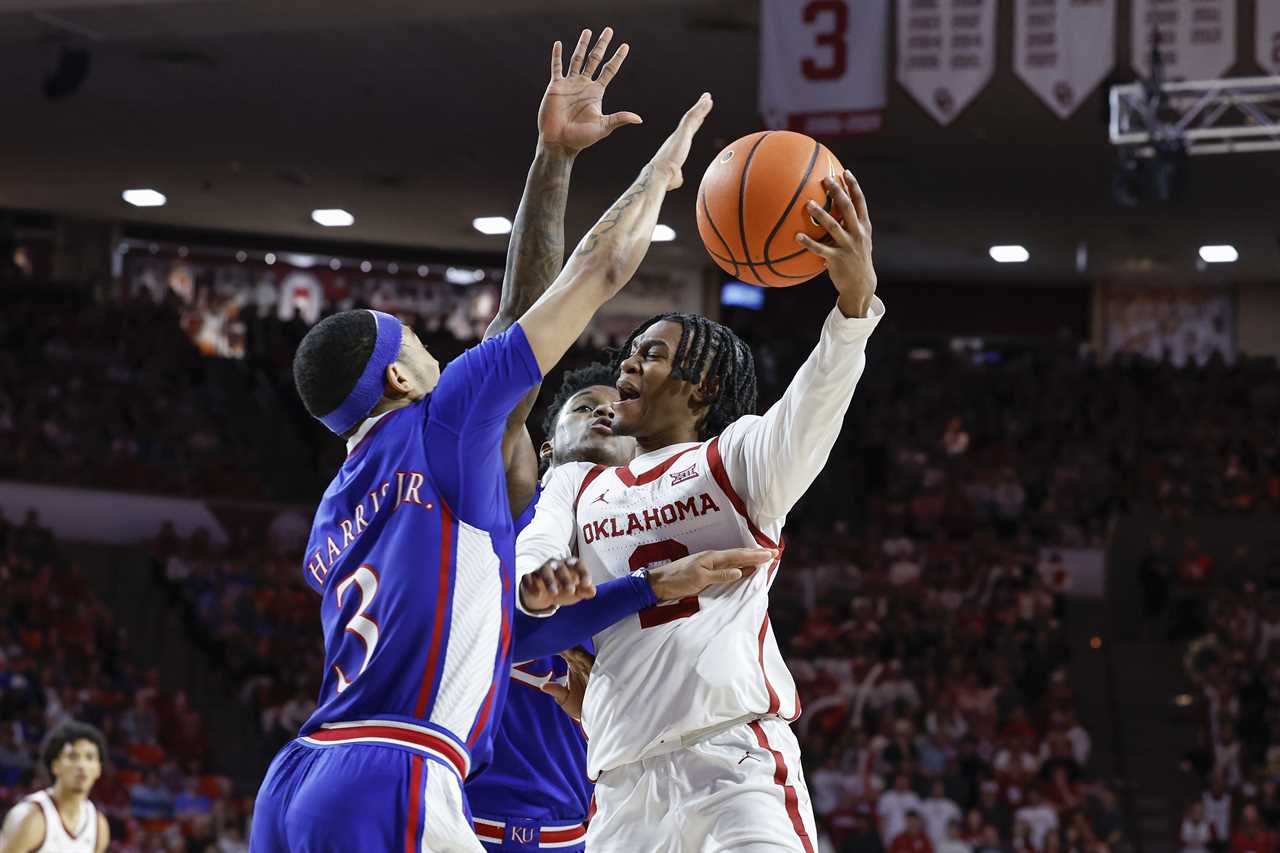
x,y
824,65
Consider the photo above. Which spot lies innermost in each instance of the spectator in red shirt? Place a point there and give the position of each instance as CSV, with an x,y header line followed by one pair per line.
x,y
1252,836
913,840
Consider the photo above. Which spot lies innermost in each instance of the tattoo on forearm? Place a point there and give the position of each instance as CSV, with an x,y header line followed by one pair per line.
x,y
614,214
537,240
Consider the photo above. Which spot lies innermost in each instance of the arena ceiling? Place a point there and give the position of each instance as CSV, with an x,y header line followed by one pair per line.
x,y
417,115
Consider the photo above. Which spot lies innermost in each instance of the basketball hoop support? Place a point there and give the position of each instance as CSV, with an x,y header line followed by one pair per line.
x,y
1205,116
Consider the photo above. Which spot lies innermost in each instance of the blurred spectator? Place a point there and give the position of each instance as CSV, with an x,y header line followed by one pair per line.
x,y
912,838
895,804
1039,816
939,814
1217,810
953,841
1252,836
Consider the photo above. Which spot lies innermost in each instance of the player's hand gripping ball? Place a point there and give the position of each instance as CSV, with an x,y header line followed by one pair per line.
x,y
752,202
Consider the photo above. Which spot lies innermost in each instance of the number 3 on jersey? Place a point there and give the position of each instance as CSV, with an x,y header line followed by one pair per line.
x,y
663,551
363,627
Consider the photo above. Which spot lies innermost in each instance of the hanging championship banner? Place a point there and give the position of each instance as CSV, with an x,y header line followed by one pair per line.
x,y
1268,36
1197,37
824,65
946,52
1063,48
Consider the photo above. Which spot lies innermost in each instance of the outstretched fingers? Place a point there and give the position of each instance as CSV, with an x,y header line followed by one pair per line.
x,y
596,56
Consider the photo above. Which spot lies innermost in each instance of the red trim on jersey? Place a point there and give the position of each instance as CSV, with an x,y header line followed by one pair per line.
x,y
586,481
416,802
591,808
629,479
551,836
442,609
789,796
722,480
446,748
505,643
774,702
491,832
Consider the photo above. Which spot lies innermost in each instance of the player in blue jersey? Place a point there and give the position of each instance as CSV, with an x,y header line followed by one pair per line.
x,y
412,551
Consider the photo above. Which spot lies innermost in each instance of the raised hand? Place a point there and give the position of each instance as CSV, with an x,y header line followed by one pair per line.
x,y
671,156
571,116
848,256
558,583
691,575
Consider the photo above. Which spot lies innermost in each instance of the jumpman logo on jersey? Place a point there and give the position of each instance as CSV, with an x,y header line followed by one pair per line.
x,y
600,498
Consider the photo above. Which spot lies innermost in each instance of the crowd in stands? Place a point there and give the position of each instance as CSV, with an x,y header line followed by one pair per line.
x,y
62,656
1228,606
922,611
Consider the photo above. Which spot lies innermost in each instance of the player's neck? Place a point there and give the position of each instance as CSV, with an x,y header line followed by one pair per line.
x,y
69,803
676,435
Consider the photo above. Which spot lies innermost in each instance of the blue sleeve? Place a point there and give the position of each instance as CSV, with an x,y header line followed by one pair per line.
x,y
466,417
575,625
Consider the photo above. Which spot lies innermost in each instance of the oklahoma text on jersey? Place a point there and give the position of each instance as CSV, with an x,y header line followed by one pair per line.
x,y
649,519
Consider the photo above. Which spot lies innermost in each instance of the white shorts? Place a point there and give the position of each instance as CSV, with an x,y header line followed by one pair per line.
x,y
741,790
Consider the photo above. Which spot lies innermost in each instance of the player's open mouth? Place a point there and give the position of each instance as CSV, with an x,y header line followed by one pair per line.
x,y
602,426
627,392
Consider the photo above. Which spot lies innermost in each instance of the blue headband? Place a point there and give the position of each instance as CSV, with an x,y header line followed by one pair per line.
x,y
368,390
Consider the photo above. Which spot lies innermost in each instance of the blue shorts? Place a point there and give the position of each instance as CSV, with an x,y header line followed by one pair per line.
x,y
355,797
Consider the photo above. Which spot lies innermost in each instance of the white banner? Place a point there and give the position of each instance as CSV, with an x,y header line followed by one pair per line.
x,y
1197,37
1062,49
946,52
824,65
1268,30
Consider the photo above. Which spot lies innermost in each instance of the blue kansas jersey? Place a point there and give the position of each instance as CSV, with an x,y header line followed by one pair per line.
x,y
412,551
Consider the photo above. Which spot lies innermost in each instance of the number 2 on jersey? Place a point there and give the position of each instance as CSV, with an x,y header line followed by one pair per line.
x,y
664,550
362,626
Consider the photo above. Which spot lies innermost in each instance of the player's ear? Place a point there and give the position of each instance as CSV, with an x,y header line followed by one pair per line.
x,y
707,391
546,450
396,382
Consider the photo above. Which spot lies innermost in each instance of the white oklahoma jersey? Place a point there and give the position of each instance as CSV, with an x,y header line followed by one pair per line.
x,y
677,673
58,837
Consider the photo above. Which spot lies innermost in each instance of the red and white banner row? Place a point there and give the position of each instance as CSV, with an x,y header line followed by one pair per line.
x,y
824,63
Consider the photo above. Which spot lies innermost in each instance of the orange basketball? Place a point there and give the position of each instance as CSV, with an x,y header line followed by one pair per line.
x,y
752,202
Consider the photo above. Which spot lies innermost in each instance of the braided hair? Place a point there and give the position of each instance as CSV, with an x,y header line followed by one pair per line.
x,y
708,351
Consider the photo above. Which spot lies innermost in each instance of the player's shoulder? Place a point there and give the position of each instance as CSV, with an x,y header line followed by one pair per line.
x,y
732,435
571,472
24,825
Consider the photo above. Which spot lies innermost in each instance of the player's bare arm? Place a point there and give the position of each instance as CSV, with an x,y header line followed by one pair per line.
x,y
848,257
609,255
570,119
104,833
23,829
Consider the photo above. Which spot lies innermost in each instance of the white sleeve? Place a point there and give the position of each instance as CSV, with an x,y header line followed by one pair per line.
x,y
549,535
773,459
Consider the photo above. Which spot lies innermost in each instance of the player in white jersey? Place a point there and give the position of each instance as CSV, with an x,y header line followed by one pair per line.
x,y
688,705
61,818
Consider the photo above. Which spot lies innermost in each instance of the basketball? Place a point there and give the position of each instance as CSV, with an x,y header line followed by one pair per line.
x,y
752,202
